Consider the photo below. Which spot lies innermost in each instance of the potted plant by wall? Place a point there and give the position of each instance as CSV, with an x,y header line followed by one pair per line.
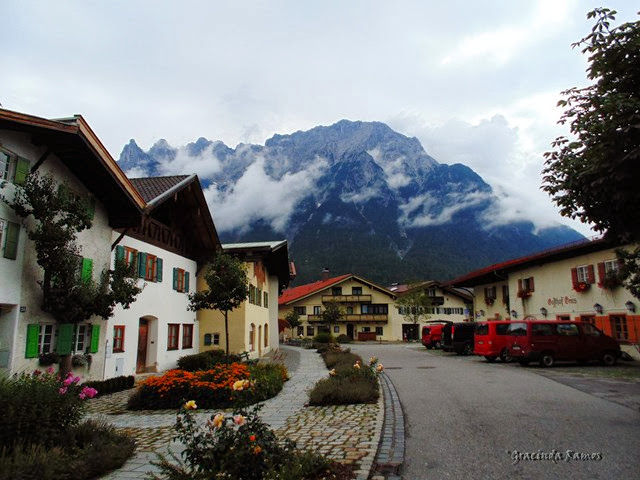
x,y
48,359
79,360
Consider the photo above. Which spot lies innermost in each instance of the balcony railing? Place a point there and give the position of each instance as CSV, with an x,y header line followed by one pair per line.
x,y
355,318
346,298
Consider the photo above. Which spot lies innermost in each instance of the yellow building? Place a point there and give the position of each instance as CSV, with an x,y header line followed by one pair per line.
x,y
578,282
368,309
434,301
253,326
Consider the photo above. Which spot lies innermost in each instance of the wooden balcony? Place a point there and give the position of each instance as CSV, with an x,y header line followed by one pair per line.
x,y
354,318
346,298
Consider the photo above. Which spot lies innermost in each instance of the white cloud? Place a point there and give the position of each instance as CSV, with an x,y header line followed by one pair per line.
x,y
258,196
206,164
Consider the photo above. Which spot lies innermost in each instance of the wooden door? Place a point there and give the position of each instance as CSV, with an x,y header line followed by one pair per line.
x,y
143,333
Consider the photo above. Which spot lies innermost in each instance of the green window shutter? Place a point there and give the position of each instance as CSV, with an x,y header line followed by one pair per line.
x,y
175,279
91,207
33,330
11,243
87,270
186,282
120,252
142,264
95,338
65,339
158,269
22,171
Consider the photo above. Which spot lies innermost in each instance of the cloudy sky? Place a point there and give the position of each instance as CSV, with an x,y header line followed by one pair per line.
x,y
475,82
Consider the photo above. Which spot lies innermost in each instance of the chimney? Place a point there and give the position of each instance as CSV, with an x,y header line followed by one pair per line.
x,y
324,275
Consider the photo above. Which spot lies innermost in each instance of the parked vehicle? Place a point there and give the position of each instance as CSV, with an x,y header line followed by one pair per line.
x,y
458,337
550,341
432,335
492,340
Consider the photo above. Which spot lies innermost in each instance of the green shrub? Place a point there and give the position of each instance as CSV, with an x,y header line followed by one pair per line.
x,y
336,359
344,338
39,408
205,360
323,337
344,391
269,379
89,450
240,447
112,385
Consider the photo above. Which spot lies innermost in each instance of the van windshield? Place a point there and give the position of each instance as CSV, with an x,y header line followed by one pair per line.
x,y
482,329
517,329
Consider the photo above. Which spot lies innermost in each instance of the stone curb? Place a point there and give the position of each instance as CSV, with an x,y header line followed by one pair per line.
x,y
390,456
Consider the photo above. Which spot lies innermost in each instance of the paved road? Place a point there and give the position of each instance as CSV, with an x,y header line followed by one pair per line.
x,y
465,418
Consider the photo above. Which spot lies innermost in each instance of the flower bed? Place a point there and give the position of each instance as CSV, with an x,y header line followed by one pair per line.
x,y
241,446
41,433
349,382
209,388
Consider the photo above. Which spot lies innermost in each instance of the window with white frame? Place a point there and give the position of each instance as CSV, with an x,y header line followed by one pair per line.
x,y
81,337
46,338
4,165
583,274
611,267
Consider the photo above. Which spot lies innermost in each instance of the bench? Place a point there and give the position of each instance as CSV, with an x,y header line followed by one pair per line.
x,y
244,356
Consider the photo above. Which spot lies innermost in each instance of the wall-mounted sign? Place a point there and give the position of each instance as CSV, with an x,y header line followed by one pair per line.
x,y
558,301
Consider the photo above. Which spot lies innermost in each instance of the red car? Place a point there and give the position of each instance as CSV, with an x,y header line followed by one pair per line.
x,y
432,336
549,341
491,340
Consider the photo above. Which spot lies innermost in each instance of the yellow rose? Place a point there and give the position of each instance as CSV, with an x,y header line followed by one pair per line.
x,y
190,405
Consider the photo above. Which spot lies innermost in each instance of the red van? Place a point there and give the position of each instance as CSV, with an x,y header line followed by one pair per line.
x,y
432,336
549,341
491,340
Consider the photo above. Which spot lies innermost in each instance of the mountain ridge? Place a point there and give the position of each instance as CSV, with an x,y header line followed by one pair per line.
x,y
356,197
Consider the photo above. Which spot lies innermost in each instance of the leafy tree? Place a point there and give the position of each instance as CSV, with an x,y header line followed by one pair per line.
x,y
331,314
293,320
413,304
58,216
594,175
227,282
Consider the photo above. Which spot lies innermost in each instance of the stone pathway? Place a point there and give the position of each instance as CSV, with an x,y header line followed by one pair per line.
x,y
349,434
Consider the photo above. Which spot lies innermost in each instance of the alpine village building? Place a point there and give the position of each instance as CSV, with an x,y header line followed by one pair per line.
x,y
161,224
577,282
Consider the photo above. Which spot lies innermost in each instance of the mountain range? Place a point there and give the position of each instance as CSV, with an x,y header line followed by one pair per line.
x,y
354,197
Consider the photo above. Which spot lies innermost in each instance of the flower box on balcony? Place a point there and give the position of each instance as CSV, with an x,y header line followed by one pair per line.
x,y
524,293
581,287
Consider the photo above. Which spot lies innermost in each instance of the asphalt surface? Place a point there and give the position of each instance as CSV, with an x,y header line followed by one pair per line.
x,y
469,419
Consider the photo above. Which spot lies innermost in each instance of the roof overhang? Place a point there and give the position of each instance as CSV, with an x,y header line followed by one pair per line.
x,y
275,256
78,147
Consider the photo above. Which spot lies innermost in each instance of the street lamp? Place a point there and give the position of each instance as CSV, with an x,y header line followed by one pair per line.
x,y
543,312
630,306
597,307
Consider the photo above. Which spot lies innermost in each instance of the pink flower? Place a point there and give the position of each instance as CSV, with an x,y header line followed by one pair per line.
x,y
88,392
239,420
62,390
50,370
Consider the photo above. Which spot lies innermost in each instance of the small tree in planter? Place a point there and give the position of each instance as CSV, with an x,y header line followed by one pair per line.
x,y
227,282
293,320
70,293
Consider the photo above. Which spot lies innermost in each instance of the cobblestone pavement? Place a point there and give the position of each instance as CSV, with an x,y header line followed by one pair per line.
x,y
349,434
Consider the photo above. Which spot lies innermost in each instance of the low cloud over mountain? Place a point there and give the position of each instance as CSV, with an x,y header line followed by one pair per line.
x,y
355,197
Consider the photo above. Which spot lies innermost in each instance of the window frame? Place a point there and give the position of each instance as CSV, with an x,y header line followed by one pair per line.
x,y
380,331
118,340
86,337
187,335
356,290
619,327
173,341
52,338
300,310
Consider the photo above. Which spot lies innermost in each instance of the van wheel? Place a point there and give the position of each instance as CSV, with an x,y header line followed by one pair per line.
x,y
438,345
467,349
490,359
609,359
547,360
504,356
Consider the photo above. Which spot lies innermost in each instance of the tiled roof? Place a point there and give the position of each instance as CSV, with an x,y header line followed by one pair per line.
x,y
296,293
153,187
